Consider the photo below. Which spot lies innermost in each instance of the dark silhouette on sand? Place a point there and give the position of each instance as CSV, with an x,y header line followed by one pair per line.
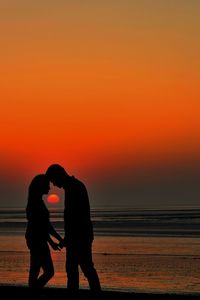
x,y
38,231
78,229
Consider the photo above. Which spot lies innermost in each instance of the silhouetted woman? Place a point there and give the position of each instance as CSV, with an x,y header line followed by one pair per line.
x,y
38,234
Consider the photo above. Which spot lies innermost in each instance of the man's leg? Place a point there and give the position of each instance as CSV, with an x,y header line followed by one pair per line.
x,y
72,268
88,268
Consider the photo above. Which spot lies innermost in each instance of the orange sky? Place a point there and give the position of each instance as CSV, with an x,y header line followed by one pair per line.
x,y
97,85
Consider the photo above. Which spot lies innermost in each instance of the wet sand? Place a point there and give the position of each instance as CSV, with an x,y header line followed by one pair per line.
x,y
22,292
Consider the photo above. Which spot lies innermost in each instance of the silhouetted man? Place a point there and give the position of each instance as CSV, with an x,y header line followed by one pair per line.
x,y
78,229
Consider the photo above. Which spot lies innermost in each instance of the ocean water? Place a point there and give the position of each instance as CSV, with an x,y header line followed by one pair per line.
x,y
134,250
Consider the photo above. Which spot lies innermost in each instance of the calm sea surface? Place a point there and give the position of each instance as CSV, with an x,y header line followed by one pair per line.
x,y
133,250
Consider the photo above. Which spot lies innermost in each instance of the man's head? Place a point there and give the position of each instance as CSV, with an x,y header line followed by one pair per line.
x,y
57,175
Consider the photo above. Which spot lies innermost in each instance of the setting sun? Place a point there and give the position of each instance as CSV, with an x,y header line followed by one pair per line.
x,y
53,198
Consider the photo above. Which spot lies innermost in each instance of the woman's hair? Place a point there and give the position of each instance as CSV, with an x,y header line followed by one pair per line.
x,y
37,188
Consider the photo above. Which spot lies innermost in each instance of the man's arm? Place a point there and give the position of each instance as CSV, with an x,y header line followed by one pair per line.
x,y
54,233
55,246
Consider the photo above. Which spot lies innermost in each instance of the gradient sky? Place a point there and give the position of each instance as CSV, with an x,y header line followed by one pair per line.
x,y
110,90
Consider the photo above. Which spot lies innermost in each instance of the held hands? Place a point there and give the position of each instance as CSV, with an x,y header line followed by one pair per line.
x,y
55,246
62,244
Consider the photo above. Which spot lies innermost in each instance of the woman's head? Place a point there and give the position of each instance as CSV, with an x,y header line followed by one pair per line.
x,y
39,185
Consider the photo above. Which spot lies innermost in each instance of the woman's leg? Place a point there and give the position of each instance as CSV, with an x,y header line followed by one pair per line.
x,y
34,270
46,265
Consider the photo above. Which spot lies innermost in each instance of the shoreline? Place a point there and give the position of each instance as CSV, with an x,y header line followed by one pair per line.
x,y
23,292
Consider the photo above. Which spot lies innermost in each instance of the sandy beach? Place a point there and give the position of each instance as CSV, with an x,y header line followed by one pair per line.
x,y
23,292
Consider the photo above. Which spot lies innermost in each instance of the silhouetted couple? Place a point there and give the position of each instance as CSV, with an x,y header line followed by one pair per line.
x,y
77,226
